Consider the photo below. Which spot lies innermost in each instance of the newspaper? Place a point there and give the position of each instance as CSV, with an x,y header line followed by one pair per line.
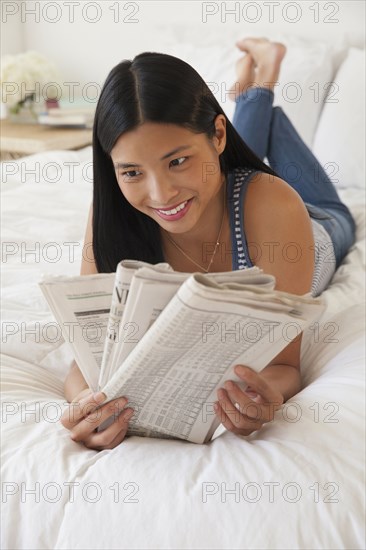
x,y
81,306
172,339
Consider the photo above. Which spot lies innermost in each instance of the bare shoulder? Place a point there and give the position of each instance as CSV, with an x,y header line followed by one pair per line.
x,y
279,232
270,188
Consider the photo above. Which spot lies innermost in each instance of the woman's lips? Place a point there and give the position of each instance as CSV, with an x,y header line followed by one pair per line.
x,y
179,214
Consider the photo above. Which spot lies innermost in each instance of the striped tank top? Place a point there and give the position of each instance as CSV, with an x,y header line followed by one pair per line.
x,y
324,252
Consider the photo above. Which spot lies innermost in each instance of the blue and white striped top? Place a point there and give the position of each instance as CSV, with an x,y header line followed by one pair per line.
x,y
325,264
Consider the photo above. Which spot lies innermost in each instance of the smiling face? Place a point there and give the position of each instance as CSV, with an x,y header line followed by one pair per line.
x,y
172,174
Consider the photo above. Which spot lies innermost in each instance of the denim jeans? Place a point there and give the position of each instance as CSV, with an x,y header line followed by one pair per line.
x,y
270,134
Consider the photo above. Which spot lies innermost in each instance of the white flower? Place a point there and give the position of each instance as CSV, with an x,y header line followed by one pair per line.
x,y
25,73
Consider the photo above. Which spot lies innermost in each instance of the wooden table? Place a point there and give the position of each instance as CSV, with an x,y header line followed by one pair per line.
x,y
18,140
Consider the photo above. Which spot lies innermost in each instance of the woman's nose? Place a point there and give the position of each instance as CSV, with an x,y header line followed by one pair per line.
x,y
161,192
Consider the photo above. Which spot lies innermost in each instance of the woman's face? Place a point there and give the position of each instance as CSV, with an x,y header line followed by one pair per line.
x,y
170,173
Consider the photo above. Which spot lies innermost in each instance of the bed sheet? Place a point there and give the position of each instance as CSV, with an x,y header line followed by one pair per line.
x,y
297,483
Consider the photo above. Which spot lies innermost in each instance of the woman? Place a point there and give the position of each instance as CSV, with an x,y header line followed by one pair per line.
x,y
174,180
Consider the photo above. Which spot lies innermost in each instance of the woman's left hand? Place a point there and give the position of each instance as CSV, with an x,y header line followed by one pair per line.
x,y
256,404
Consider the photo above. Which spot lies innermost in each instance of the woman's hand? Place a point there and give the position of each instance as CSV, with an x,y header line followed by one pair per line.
x,y
83,417
254,406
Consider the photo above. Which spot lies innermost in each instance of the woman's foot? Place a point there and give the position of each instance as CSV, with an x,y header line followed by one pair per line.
x,y
246,76
259,67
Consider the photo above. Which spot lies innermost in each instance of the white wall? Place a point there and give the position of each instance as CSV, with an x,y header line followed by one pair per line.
x,y
85,51
12,29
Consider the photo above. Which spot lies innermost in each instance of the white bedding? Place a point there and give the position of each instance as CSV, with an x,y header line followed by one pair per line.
x,y
171,493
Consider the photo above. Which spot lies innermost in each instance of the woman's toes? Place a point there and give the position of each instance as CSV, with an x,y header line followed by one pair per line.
x,y
262,50
246,44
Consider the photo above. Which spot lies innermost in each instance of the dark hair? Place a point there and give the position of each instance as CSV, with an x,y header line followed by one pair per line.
x,y
160,88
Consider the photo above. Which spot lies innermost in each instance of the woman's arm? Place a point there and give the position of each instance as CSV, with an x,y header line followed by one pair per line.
x,y
88,266
277,224
277,221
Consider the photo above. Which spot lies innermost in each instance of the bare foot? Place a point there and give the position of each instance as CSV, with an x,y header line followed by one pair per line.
x,y
245,76
266,59
263,51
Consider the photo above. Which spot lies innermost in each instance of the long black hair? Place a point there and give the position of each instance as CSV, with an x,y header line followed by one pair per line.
x,y
159,88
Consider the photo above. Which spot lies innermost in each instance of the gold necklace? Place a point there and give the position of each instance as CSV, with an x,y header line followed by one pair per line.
x,y
206,270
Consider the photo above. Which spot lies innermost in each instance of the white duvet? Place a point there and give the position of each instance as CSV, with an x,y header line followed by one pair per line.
x,y
297,483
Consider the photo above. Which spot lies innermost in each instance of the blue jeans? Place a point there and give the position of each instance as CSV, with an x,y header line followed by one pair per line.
x,y
270,134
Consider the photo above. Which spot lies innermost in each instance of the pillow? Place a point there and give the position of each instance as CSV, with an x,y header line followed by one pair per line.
x,y
340,136
306,69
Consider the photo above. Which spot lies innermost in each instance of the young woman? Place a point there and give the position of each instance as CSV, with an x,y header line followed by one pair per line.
x,y
175,181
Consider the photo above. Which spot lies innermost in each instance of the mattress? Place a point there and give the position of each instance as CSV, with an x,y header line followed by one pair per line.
x,y
296,483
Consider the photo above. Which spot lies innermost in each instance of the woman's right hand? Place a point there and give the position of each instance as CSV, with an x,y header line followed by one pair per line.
x,y
82,418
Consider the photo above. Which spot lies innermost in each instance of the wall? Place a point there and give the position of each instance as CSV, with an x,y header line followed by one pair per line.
x,y
85,39
12,30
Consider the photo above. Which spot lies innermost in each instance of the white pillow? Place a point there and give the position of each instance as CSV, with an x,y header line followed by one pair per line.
x,y
306,69
340,137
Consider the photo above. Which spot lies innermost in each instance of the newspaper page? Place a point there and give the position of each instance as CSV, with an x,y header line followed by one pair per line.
x,y
170,378
81,307
124,275
149,293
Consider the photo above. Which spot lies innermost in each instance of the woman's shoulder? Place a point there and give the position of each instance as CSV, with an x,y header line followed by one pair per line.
x,y
261,195
276,220
267,202
268,193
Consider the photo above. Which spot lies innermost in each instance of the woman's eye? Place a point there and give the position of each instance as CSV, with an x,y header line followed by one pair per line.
x,y
129,175
179,159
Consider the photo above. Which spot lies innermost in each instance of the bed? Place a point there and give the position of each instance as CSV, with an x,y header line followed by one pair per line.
x,y
298,482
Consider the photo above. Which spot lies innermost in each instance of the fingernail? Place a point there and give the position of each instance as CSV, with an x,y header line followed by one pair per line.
x,y
229,385
129,414
240,368
99,397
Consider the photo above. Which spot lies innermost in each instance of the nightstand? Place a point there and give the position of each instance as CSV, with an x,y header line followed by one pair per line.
x,y
18,140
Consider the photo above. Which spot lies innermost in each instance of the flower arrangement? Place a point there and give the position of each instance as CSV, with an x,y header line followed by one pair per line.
x,y
27,78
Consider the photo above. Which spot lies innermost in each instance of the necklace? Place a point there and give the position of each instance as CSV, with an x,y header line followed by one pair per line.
x,y
206,270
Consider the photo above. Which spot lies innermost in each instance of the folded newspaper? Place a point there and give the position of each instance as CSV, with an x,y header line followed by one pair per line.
x,y
168,340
